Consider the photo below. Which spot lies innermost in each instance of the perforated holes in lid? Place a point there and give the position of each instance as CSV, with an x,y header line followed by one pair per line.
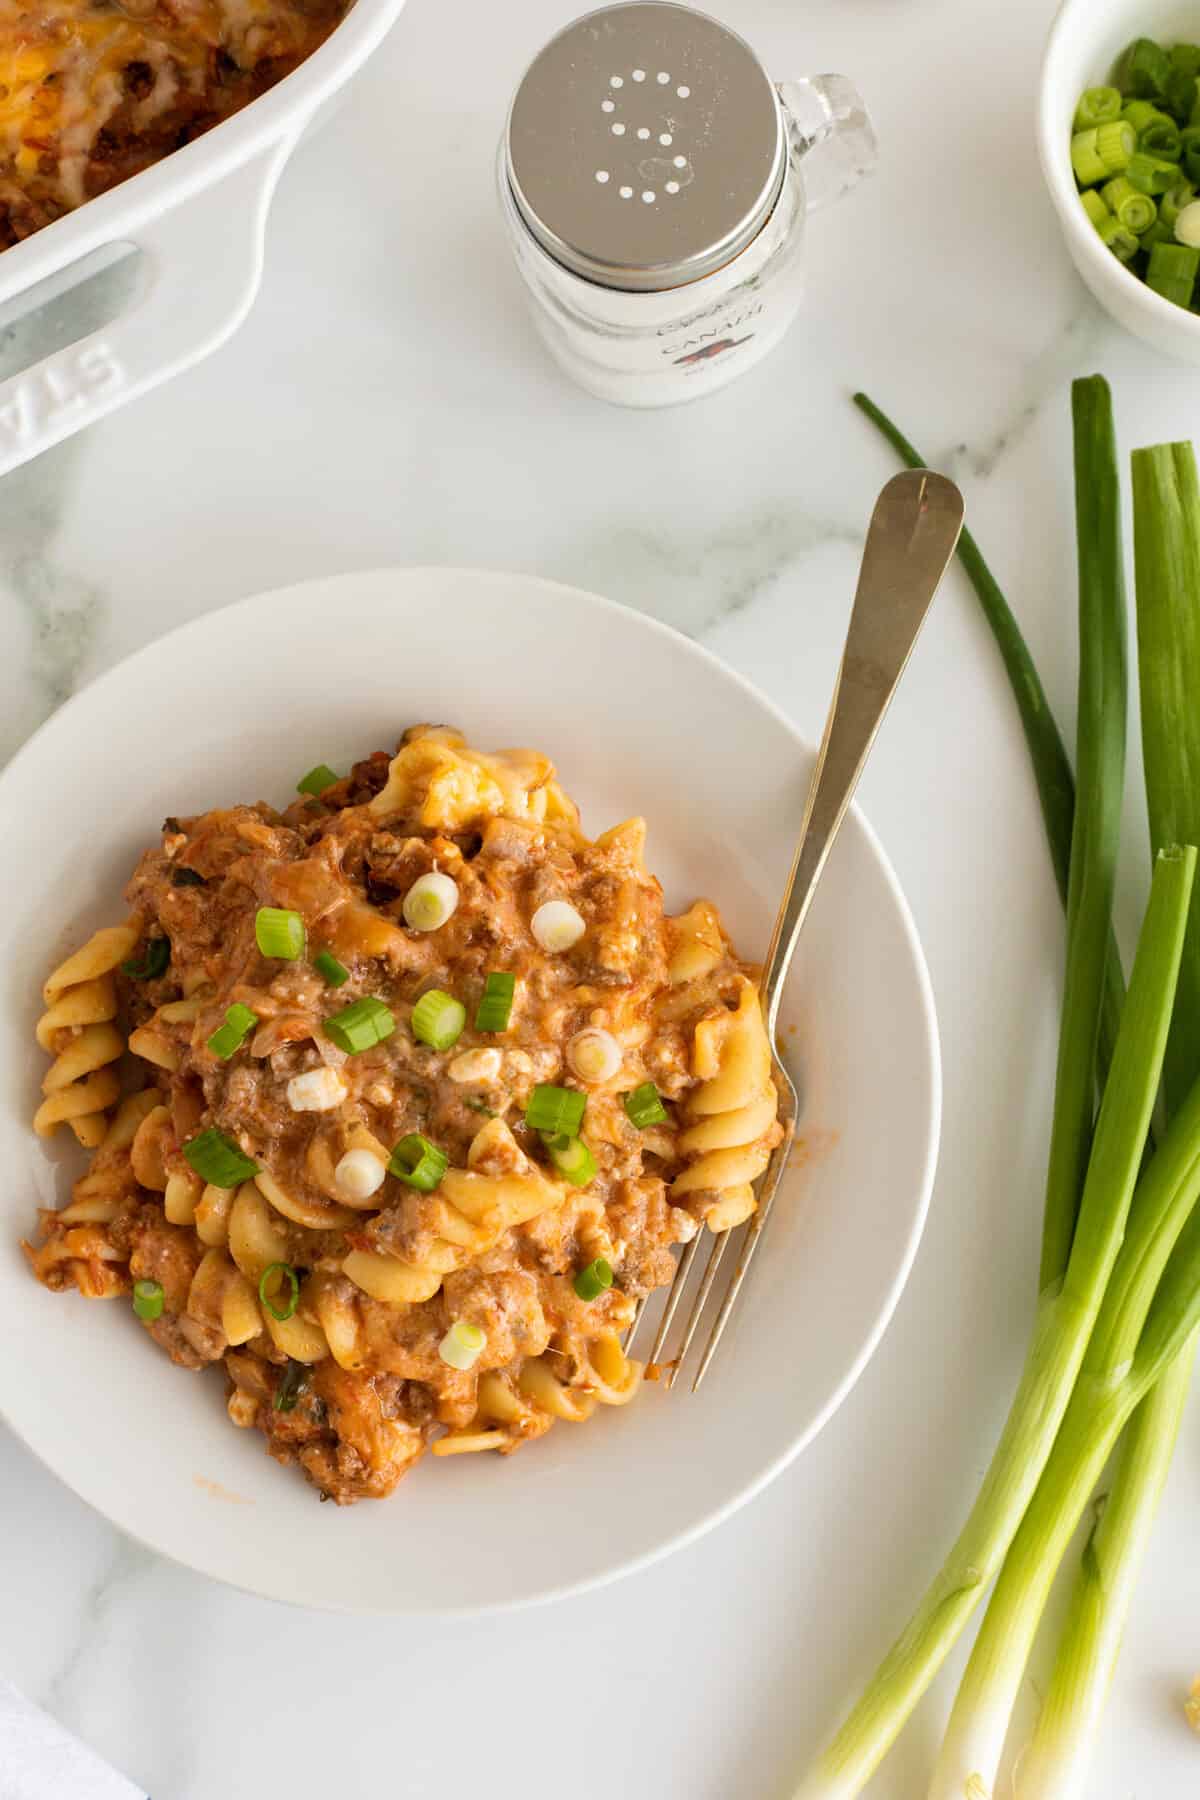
x,y
656,104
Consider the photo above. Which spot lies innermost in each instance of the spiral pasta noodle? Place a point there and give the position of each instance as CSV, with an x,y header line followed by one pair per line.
x,y
733,1112
78,1029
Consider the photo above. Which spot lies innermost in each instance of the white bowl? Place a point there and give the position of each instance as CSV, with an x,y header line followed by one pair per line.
x,y
1085,42
235,706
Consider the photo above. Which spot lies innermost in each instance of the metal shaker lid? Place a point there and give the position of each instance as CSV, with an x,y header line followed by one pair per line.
x,y
645,146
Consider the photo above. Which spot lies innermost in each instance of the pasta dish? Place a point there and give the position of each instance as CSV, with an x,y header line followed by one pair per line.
x,y
91,91
398,1101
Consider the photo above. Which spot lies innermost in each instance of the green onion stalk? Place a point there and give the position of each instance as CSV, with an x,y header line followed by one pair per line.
x,y
1166,522
1090,1227
1055,1764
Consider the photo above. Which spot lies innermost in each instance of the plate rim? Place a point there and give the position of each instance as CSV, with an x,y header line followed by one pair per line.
x,y
719,1514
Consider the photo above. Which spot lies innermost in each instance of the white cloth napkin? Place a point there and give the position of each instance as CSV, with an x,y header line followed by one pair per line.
x,y
41,1761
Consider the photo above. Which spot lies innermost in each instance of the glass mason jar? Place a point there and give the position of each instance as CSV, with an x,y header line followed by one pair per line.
x,y
654,185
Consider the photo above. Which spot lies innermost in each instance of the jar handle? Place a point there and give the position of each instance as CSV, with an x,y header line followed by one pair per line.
x,y
828,127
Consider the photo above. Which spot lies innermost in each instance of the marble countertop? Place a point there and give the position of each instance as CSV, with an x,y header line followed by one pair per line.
x,y
387,402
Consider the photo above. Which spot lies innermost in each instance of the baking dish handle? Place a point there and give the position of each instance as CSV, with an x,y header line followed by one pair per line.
x,y
202,263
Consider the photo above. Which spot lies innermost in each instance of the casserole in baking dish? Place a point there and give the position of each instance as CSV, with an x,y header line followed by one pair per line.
x,y
127,95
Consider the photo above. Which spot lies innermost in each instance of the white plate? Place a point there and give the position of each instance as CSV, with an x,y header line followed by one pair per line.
x,y
235,707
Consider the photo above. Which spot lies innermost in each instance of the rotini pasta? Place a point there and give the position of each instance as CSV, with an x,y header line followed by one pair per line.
x,y
427,1087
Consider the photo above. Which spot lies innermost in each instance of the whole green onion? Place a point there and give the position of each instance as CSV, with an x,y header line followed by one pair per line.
x,y
148,1300
593,1281
279,932
438,1019
219,1159
154,961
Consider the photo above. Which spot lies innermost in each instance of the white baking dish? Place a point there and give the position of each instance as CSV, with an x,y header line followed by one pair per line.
x,y
198,217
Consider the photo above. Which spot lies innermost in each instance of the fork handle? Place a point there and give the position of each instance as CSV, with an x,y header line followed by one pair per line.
x,y
914,529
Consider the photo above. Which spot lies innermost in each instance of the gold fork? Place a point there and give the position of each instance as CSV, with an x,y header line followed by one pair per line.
x,y
913,531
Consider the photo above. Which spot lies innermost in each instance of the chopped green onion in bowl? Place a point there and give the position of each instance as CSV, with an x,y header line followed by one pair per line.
x,y
1137,167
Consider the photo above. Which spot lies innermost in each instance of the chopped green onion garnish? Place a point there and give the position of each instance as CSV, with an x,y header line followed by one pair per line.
x,y
462,1345
218,1160
644,1106
360,1026
1103,151
591,1282
279,932
279,1281
334,972
555,1109
291,1387
153,963
430,901
418,1163
1172,272
1145,69
239,1022
1096,107
1151,174
571,1157
182,876
438,1019
317,780
1136,211
148,1300
496,1003
1113,234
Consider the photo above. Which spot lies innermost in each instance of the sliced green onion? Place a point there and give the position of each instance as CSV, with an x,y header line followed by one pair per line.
x,y
1186,58
462,1345
495,1006
1176,200
1094,206
418,1163
644,1106
571,1157
360,1026
239,1023
1096,107
1180,97
279,932
182,876
269,1289
1162,137
218,1159
1144,70
1158,233
154,961
334,972
1114,236
1190,143
1136,211
591,1282
317,780
430,901
148,1300
1102,151
438,1019
290,1388
555,1109
1151,174
1141,114
1172,272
